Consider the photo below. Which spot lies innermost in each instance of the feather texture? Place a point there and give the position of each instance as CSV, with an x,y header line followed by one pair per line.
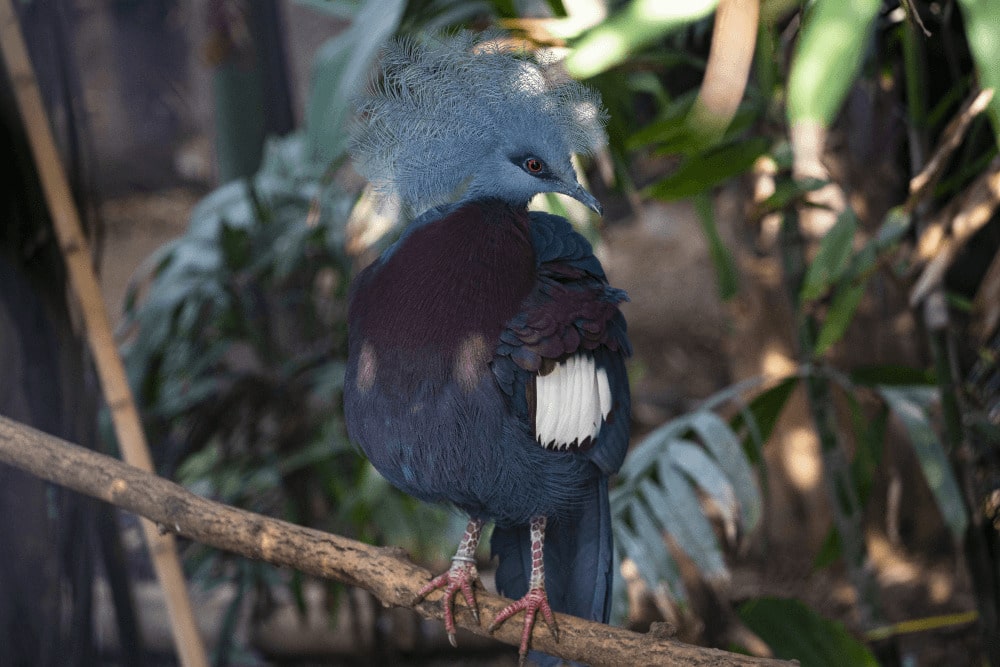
x,y
571,402
486,364
448,100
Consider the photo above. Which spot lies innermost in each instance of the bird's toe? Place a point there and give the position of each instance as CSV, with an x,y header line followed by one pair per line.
x,y
534,600
462,576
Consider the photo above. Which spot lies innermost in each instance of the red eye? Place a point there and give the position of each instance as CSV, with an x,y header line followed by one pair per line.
x,y
533,165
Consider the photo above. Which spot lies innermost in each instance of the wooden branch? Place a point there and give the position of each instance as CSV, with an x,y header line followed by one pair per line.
x,y
963,217
83,284
951,139
386,572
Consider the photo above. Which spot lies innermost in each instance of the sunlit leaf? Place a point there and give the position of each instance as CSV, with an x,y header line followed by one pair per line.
x,y
676,508
982,30
625,32
692,461
726,448
827,57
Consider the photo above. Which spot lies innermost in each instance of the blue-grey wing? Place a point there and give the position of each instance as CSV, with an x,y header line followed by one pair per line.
x,y
561,359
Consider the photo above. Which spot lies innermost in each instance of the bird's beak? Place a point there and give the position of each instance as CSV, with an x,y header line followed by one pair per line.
x,y
590,201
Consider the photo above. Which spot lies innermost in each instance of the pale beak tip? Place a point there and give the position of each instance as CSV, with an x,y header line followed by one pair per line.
x,y
587,199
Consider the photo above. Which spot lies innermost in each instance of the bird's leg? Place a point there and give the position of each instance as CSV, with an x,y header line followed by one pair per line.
x,y
462,576
535,599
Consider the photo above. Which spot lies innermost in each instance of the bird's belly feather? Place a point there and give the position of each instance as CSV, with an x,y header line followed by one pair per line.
x,y
440,441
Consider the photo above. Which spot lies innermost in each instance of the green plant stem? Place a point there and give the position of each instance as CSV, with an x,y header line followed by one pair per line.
x,y
847,514
983,570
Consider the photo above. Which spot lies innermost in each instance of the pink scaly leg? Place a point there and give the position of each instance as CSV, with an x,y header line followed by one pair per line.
x,y
462,576
535,599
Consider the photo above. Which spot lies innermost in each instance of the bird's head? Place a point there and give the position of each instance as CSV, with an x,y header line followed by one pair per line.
x,y
516,173
464,117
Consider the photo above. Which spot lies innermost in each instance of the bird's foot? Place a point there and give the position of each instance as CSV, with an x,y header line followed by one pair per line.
x,y
534,600
462,576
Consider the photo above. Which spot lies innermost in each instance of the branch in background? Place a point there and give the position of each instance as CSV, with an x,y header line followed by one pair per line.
x,y
384,571
964,217
951,138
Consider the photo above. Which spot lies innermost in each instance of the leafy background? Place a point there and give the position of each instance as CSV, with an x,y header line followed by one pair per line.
x,y
234,333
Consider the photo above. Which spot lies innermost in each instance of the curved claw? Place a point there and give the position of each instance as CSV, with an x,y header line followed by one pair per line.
x,y
462,576
534,600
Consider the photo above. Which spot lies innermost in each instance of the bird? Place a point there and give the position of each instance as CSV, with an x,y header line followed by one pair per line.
x,y
486,348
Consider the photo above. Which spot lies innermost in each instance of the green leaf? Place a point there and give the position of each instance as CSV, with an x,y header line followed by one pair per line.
x,y
699,173
890,374
796,632
725,446
831,259
669,124
830,551
909,405
675,133
894,226
678,512
761,415
639,23
839,315
827,58
235,245
695,464
869,434
722,259
982,30
648,549
340,71
788,191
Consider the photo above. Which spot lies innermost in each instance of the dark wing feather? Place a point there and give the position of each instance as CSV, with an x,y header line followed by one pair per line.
x,y
571,309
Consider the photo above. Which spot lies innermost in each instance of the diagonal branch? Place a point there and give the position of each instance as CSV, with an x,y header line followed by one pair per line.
x,y
963,217
386,572
951,139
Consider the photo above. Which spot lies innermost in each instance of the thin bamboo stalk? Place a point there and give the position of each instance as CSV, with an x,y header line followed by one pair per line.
x,y
84,285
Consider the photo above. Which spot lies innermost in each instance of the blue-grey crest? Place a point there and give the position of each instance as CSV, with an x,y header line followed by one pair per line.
x,y
454,117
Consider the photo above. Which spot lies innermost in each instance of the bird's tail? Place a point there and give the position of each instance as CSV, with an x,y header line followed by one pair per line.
x,y
578,561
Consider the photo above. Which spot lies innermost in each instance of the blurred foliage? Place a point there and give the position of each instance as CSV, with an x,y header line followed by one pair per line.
x,y
661,485
237,342
809,58
796,632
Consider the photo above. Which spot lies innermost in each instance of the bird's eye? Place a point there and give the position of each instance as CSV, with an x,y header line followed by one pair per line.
x,y
533,165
